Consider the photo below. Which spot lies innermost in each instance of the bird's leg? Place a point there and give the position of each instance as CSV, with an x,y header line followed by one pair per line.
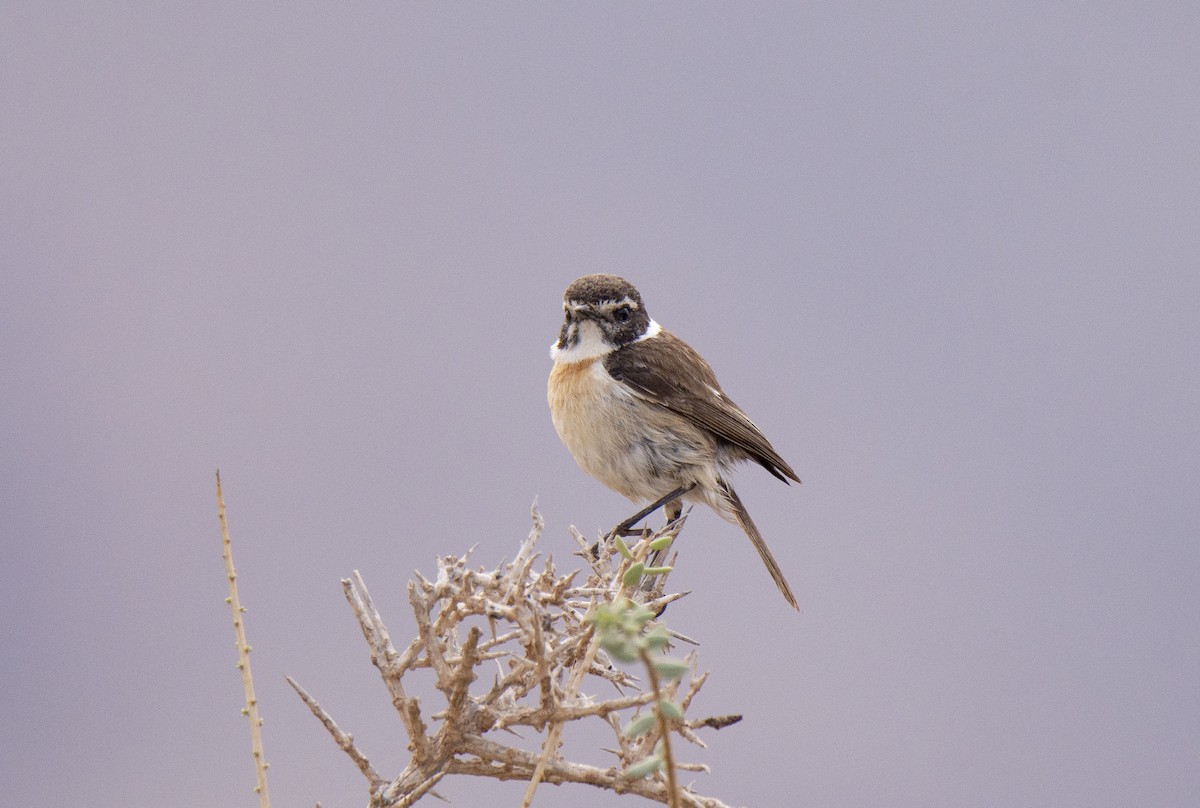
x,y
673,511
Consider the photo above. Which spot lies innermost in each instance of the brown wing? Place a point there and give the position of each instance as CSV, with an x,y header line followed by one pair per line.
x,y
666,370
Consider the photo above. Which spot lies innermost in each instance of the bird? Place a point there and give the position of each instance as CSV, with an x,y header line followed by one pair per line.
x,y
642,412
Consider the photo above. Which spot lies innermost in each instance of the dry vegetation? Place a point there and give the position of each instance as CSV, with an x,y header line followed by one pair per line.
x,y
522,652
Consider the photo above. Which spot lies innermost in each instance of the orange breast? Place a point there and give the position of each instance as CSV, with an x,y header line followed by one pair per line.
x,y
591,420
638,449
574,389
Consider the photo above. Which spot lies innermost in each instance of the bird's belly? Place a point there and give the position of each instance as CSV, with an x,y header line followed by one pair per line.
x,y
636,448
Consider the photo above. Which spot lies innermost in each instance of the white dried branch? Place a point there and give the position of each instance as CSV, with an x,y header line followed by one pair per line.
x,y
540,638
344,740
391,666
509,763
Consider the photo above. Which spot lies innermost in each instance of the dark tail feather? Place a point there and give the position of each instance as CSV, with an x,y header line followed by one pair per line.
x,y
739,513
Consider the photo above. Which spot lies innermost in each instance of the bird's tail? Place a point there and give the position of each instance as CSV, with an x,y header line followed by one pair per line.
x,y
738,511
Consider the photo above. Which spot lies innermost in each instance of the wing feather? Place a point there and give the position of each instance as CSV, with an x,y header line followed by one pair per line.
x,y
667,371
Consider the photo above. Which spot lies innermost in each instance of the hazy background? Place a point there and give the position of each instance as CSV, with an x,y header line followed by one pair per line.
x,y
948,259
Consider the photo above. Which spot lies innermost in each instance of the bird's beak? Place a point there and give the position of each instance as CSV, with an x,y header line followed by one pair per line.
x,y
564,336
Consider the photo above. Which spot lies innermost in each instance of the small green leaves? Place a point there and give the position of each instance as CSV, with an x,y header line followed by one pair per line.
x,y
619,628
644,767
623,549
640,616
623,613
669,668
662,542
634,574
670,710
639,725
656,639
622,648
644,722
657,570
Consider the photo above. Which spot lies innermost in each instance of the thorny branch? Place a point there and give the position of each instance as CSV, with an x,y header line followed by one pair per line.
x,y
533,624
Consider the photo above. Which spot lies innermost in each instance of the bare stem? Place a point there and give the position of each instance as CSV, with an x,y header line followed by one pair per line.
x,y
344,740
243,647
664,729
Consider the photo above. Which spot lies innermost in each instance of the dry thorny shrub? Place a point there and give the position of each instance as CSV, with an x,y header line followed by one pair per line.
x,y
521,647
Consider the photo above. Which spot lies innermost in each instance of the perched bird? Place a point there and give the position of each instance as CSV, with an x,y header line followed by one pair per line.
x,y
642,412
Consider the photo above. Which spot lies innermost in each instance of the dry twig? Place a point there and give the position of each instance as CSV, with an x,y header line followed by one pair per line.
x,y
535,625
243,647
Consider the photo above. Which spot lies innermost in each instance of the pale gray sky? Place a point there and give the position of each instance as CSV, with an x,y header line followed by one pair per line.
x,y
947,258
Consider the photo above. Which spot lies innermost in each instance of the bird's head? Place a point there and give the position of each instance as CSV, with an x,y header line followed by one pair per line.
x,y
602,313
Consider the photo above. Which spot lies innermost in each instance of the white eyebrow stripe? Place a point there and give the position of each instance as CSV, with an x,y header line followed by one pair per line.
x,y
603,305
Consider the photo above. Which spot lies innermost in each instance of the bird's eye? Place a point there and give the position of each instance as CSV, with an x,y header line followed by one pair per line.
x,y
622,314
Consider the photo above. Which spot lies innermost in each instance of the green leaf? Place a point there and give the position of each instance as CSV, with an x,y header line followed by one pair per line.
x,y
611,640
644,767
662,542
658,570
623,549
656,639
639,725
611,616
670,710
640,615
627,653
622,648
670,668
634,574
